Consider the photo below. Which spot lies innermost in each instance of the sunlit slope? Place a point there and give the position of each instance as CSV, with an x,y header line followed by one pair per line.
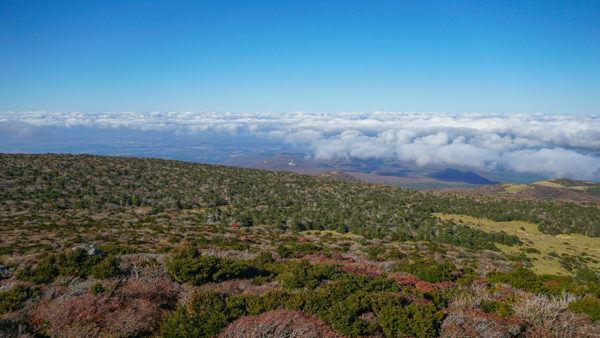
x,y
549,254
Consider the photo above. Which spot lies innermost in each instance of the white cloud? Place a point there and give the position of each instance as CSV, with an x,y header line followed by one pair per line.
x,y
554,162
561,146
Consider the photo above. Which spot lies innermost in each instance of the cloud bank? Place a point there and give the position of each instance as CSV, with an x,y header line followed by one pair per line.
x,y
550,145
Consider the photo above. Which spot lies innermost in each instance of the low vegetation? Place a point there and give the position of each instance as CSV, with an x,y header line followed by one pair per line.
x,y
107,246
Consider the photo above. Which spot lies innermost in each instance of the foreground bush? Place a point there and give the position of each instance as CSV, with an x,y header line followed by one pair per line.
x,y
204,317
134,309
279,323
352,305
411,320
521,278
15,298
106,268
303,274
14,326
548,316
74,262
503,309
588,305
188,265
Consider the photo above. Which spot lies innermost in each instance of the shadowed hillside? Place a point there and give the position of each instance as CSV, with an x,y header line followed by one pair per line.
x,y
454,175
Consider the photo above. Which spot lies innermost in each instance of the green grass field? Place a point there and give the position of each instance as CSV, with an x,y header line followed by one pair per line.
x,y
543,262
515,188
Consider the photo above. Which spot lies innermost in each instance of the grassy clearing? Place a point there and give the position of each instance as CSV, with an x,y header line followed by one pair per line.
x,y
550,248
561,185
549,183
515,188
322,233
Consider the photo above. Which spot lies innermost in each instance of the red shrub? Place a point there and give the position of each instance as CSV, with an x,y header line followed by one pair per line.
x,y
238,286
134,309
424,286
476,323
337,255
551,282
303,239
317,258
347,265
279,323
361,268
404,279
418,300
444,285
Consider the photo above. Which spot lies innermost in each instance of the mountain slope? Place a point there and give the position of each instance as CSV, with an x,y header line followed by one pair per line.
x,y
94,183
168,248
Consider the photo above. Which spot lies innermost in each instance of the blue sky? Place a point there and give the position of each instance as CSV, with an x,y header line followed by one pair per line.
x,y
280,56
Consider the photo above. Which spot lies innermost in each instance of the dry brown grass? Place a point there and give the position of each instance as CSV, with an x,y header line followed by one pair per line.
x,y
279,323
549,317
133,309
239,286
533,316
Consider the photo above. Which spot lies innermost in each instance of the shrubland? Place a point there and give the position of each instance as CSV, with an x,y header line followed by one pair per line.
x,y
110,246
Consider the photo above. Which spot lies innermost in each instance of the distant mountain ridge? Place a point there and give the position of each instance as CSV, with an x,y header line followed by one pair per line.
x,y
454,175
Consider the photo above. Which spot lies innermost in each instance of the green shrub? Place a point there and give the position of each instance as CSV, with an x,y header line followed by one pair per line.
x,y
467,277
532,250
6,250
436,247
205,317
555,285
97,288
521,278
68,263
284,252
343,316
503,309
411,320
41,273
303,274
587,275
268,301
340,303
187,265
263,258
393,254
76,263
429,270
294,250
440,298
588,305
15,298
106,268
520,257
209,312
374,251
11,326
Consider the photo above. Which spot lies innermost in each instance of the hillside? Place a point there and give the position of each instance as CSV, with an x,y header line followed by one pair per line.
x,y
551,190
232,246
